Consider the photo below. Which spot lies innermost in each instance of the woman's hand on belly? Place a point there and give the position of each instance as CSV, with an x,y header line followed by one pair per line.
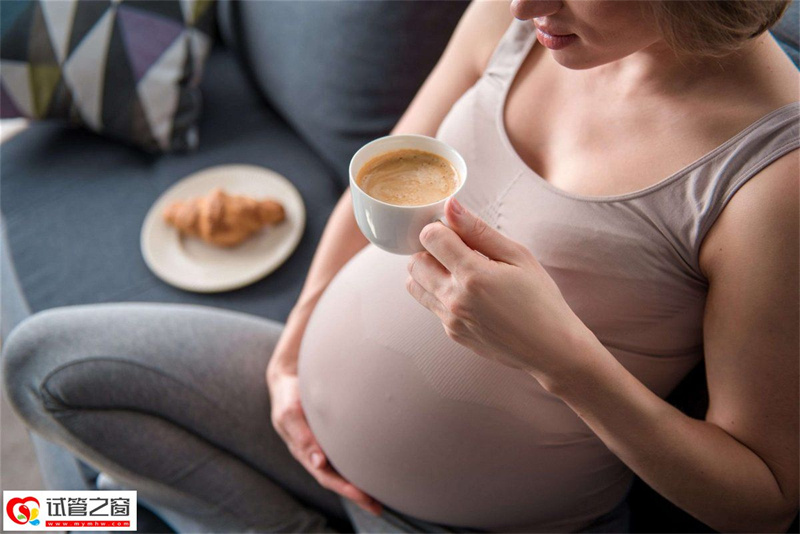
x,y
493,297
290,422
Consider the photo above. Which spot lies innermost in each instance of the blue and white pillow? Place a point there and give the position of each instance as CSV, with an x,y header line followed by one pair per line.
x,y
129,69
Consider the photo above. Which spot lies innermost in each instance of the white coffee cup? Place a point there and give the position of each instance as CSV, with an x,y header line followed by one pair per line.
x,y
391,227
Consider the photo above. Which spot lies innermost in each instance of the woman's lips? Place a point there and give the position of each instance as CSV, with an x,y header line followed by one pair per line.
x,y
555,41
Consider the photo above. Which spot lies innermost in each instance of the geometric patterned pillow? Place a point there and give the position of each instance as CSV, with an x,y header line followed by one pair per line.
x,y
128,69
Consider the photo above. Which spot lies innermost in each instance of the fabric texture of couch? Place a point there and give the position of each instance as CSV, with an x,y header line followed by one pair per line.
x,y
74,202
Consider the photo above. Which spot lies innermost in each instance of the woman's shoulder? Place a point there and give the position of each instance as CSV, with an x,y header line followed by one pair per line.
x,y
481,28
766,81
753,96
761,216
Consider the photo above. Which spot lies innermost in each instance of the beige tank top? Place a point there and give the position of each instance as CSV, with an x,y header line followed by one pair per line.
x,y
436,432
628,264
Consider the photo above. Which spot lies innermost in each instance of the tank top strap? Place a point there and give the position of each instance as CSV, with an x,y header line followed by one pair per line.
x,y
714,180
511,51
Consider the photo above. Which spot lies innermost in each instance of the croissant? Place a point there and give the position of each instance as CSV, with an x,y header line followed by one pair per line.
x,y
222,219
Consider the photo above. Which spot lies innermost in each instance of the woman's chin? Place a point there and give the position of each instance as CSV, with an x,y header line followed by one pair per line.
x,y
575,58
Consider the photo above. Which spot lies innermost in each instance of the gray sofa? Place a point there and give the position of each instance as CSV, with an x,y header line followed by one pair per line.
x,y
293,86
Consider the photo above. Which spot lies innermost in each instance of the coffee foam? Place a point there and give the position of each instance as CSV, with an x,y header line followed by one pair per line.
x,y
408,178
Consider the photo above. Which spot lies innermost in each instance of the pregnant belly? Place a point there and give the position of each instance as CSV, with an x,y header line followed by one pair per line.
x,y
432,430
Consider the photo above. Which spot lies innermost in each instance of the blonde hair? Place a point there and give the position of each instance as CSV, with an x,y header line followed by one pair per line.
x,y
714,28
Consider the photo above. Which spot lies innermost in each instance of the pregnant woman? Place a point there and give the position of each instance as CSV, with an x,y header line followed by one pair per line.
x,y
632,210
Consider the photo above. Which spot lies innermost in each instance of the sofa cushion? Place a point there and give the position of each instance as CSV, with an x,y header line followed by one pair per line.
x,y
74,202
128,69
342,73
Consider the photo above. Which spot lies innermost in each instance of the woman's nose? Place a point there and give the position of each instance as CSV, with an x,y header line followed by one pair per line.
x,y
529,9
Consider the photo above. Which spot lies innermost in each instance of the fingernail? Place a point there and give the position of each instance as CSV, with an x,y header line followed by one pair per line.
x,y
316,459
457,207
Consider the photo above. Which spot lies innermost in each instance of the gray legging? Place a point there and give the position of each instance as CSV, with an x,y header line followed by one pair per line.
x,y
171,401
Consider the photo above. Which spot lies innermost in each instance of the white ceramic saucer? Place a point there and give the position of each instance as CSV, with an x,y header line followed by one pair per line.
x,y
193,265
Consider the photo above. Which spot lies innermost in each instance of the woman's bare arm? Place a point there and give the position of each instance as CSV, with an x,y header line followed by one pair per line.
x,y
460,66
738,469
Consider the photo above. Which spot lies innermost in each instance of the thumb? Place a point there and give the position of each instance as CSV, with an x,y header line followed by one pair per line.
x,y
478,235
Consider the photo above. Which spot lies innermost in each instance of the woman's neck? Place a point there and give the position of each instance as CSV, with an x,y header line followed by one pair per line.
x,y
657,72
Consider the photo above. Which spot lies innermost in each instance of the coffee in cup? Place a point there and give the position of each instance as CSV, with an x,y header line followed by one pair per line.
x,y
408,177
399,184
